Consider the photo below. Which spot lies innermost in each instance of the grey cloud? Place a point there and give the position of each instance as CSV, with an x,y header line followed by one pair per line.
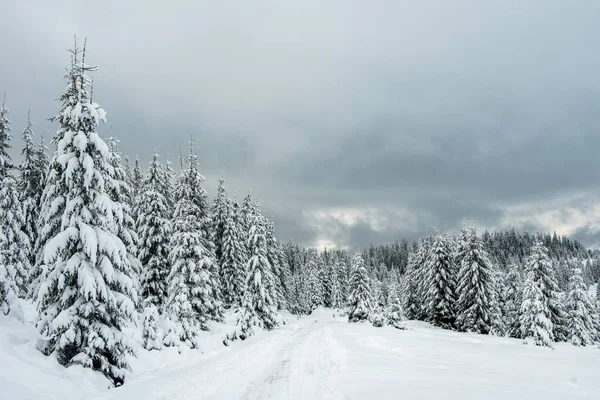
x,y
449,111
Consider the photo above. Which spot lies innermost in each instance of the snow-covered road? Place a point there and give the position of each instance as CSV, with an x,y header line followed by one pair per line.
x,y
298,361
320,357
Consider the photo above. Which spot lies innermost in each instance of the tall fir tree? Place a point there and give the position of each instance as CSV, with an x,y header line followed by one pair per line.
x,y
360,299
194,292
394,315
120,192
277,289
476,285
543,273
233,257
580,312
499,305
535,319
128,173
89,294
5,139
313,286
259,308
14,243
30,184
220,213
513,300
441,283
154,230
168,185
341,274
137,177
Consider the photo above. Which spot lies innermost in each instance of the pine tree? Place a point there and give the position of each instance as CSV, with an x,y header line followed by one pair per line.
x,y
128,173
475,285
120,192
418,307
409,292
341,274
154,229
276,268
394,315
31,179
514,299
43,163
137,178
220,214
336,297
440,281
313,286
89,294
150,333
499,306
194,293
5,139
360,300
14,243
233,257
168,185
543,273
258,307
580,312
248,212
11,220
536,325
285,277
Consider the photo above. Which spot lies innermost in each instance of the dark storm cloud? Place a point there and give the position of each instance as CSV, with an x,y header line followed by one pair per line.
x,y
353,122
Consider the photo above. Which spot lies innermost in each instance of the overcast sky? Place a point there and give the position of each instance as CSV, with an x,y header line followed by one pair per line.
x,y
352,121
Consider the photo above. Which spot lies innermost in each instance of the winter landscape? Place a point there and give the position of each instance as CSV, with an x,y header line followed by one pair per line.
x,y
169,262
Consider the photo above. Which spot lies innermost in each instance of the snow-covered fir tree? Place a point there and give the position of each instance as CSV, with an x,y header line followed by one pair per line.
x,y
337,298
513,300
409,291
43,162
279,276
543,273
128,173
233,257
341,273
499,305
30,183
313,285
259,308
150,332
168,191
248,212
394,315
360,301
476,286
440,282
580,312
89,294
220,213
137,178
284,280
326,281
154,230
120,192
536,326
14,244
5,138
194,293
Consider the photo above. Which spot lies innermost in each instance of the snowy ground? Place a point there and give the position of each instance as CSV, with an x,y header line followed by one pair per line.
x,y
317,357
